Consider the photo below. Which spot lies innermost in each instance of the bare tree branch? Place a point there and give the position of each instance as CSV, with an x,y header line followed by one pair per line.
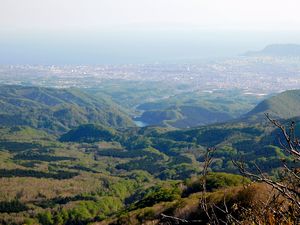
x,y
292,142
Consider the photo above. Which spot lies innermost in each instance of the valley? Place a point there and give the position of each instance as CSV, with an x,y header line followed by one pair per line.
x,y
76,156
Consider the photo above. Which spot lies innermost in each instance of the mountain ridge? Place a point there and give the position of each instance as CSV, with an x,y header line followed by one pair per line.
x,y
285,105
277,50
56,109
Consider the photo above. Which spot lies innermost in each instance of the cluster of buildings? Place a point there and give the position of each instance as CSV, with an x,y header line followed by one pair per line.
x,y
258,75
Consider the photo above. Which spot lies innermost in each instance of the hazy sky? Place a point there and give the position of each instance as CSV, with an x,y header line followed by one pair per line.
x,y
110,14
129,31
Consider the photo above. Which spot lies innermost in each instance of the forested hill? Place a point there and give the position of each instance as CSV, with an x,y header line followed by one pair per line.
x,y
284,105
56,109
93,172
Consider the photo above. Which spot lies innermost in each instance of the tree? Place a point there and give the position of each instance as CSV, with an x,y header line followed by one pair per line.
x,y
46,218
282,206
288,188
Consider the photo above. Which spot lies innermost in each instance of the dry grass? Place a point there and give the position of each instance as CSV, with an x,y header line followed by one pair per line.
x,y
248,204
29,189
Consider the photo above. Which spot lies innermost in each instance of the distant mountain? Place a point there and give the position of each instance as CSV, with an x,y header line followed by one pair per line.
x,y
56,109
284,105
277,50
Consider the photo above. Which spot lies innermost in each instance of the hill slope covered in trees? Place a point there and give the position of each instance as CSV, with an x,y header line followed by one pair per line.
x,y
284,105
94,172
56,109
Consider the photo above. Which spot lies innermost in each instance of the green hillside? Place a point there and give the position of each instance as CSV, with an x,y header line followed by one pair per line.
x,y
56,109
159,117
97,173
89,133
192,109
184,116
284,105
94,172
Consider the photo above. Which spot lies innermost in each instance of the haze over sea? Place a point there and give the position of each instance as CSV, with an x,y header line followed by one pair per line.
x,y
133,45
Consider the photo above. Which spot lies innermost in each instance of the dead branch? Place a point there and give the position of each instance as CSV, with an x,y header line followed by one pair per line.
x,y
289,137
